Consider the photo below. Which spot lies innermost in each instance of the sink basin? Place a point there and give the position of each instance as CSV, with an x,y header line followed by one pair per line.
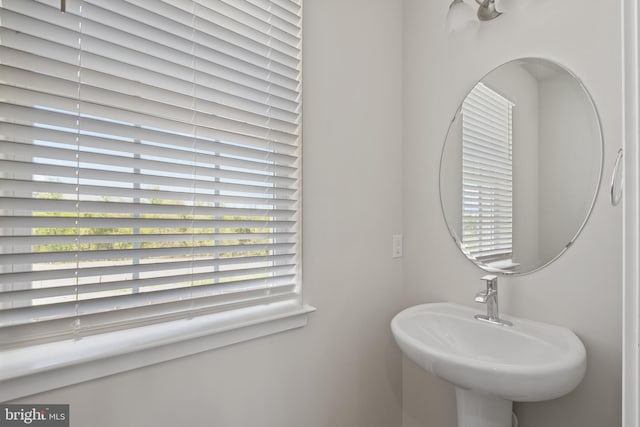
x,y
529,361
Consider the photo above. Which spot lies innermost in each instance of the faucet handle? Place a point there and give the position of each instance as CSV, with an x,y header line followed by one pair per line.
x,y
490,292
492,281
482,296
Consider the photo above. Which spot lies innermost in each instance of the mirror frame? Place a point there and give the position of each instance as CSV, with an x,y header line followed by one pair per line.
x,y
596,190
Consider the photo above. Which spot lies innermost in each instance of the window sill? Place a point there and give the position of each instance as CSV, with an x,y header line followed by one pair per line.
x,y
44,367
505,264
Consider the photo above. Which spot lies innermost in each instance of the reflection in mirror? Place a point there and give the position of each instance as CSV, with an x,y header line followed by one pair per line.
x,y
521,166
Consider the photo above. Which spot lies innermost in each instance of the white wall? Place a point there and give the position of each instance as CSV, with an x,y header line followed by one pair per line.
x,y
567,161
451,177
519,87
343,369
581,290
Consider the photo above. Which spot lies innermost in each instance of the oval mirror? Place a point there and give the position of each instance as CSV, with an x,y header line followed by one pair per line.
x,y
521,166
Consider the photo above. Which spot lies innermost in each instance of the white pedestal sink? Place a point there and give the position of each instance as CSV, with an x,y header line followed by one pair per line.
x,y
490,365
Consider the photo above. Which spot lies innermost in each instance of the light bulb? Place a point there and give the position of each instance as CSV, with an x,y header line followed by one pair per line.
x,y
459,16
503,5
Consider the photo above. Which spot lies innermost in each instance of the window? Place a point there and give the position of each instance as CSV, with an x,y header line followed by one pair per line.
x,y
487,175
149,165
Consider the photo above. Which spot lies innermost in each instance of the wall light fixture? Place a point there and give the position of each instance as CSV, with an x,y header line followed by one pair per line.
x,y
461,13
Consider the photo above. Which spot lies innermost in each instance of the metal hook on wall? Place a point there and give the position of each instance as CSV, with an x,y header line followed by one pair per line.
x,y
617,180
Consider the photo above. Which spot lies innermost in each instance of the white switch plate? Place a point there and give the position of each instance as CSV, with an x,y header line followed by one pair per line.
x,y
396,248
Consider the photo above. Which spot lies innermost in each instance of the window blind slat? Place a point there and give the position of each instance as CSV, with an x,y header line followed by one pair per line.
x,y
493,178
203,165
20,316
173,267
67,222
247,123
156,128
157,144
23,187
21,299
484,185
185,248
216,236
89,206
68,173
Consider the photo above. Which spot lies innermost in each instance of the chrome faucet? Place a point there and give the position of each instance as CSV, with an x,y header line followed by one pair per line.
x,y
490,297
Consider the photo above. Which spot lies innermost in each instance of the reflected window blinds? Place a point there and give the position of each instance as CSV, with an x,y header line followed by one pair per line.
x,y
487,175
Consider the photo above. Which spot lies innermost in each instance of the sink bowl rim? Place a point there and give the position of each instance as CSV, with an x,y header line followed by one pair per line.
x,y
517,324
444,364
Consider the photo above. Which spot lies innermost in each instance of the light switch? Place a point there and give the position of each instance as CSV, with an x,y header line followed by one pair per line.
x,y
396,250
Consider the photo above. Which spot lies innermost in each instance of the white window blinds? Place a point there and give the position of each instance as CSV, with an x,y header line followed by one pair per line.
x,y
487,175
149,163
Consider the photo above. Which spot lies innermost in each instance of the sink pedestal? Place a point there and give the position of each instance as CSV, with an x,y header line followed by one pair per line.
x,y
482,410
